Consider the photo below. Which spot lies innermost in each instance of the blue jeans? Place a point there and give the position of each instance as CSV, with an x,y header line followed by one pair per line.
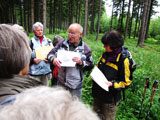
x,y
75,92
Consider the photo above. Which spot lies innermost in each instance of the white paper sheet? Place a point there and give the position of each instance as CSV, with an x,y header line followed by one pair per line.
x,y
99,78
66,57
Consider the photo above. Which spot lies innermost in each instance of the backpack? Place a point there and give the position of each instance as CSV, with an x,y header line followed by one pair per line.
x,y
132,64
127,54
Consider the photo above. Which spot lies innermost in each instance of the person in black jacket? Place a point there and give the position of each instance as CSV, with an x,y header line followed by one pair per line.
x,y
116,70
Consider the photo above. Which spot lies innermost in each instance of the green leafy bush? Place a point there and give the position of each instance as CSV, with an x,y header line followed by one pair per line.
x,y
157,37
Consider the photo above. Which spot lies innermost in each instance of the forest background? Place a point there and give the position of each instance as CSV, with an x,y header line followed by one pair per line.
x,y
133,18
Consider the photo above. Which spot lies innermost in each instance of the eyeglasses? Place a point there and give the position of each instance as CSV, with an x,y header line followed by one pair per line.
x,y
72,34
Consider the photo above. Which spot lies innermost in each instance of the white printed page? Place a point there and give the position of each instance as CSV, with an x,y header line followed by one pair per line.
x,y
66,57
99,78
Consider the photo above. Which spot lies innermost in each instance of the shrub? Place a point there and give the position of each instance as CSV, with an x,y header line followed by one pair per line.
x,y
157,37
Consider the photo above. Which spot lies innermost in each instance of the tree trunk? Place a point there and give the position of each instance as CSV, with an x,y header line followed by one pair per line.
x,y
127,21
99,18
86,18
112,16
54,16
12,12
21,16
60,15
50,17
24,13
121,23
44,16
130,23
137,17
144,22
32,12
93,17
149,17
29,15
37,10
79,13
71,13
77,8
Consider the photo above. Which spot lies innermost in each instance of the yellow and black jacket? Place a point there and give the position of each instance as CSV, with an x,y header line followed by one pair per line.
x,y
116,70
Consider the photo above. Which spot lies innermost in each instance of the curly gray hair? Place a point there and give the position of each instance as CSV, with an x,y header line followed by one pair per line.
x,y
37,24
44,103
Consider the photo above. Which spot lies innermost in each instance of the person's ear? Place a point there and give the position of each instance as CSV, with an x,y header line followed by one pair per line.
x,y
24,71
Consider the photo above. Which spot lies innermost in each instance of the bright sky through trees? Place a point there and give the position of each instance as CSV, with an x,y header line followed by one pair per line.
x,y
108,7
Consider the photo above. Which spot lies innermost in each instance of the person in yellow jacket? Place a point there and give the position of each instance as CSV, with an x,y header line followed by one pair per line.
x,y
116,69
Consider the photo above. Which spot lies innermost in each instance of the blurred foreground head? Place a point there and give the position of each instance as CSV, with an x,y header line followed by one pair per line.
x,y
15,52
44,103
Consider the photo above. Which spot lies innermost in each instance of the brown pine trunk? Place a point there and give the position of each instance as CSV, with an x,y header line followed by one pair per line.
x,y
60,15
144,22
130,23
79,13
50,17
21,16
32,12
137,18
24,13
99,17
93,17
29,15
112,16
149,17
54,16
86,18
44,16
127,21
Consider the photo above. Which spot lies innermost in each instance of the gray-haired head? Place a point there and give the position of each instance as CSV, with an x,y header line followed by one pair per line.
x,y
77,25
45,103
15,51
37,24
16,26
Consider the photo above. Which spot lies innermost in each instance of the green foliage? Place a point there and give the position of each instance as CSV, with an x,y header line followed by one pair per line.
x,y
157,37
105,23
154,28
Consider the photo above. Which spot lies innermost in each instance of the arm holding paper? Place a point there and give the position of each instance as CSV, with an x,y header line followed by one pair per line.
x,y
59,54
100,79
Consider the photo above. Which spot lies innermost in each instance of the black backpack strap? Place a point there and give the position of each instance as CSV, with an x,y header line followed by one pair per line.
x,y
31,44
